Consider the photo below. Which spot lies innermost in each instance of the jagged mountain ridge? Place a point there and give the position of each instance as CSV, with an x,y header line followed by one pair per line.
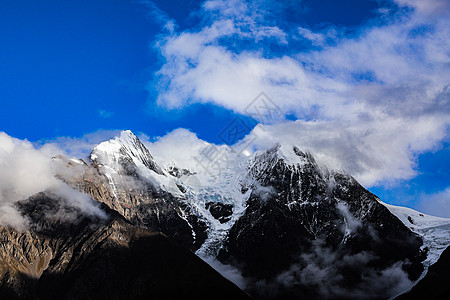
x,y
310,209
281,209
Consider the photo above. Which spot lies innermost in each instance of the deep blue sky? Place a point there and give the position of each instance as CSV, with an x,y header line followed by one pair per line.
x,y
68,68
63,62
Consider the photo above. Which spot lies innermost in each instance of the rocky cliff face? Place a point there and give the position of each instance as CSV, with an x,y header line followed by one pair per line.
x,y
296,209
124,176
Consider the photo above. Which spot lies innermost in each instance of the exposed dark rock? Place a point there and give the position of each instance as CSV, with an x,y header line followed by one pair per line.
x,y
292,208
178,172
140,202
220,211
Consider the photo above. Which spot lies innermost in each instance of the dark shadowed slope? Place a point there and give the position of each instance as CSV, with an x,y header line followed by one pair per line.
x,y
436,284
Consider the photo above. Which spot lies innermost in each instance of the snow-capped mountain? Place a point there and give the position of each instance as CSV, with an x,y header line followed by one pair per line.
x,y
263,215
127,156
121,151
277,207
276,223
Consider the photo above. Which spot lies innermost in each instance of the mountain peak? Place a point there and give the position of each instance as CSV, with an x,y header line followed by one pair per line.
x,y
124,149
289,153
127,135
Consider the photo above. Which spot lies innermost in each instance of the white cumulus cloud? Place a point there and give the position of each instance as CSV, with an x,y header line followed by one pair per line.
x,y
368,103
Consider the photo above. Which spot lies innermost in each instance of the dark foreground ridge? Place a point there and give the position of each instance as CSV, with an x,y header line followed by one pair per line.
x,y
95,258
436,284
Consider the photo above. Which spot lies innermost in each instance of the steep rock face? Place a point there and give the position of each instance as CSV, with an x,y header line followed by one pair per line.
x,y
23,258
155,209
220,211
53,226
68,255
297,209
125,177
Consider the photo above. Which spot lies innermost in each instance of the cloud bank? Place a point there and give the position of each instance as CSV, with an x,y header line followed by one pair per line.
x,y
179,148
368,102
26,170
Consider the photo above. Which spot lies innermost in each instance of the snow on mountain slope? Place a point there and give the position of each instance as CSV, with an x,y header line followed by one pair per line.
x,y
127,155
435,231
127,145
221,186
227,181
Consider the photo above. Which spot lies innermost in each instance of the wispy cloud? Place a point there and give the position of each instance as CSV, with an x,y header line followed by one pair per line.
x,y
369,102
105,114
80,147
159,17
321,270
427,8
437,204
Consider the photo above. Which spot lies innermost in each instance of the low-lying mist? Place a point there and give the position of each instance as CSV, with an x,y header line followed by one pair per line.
x,y
26,170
